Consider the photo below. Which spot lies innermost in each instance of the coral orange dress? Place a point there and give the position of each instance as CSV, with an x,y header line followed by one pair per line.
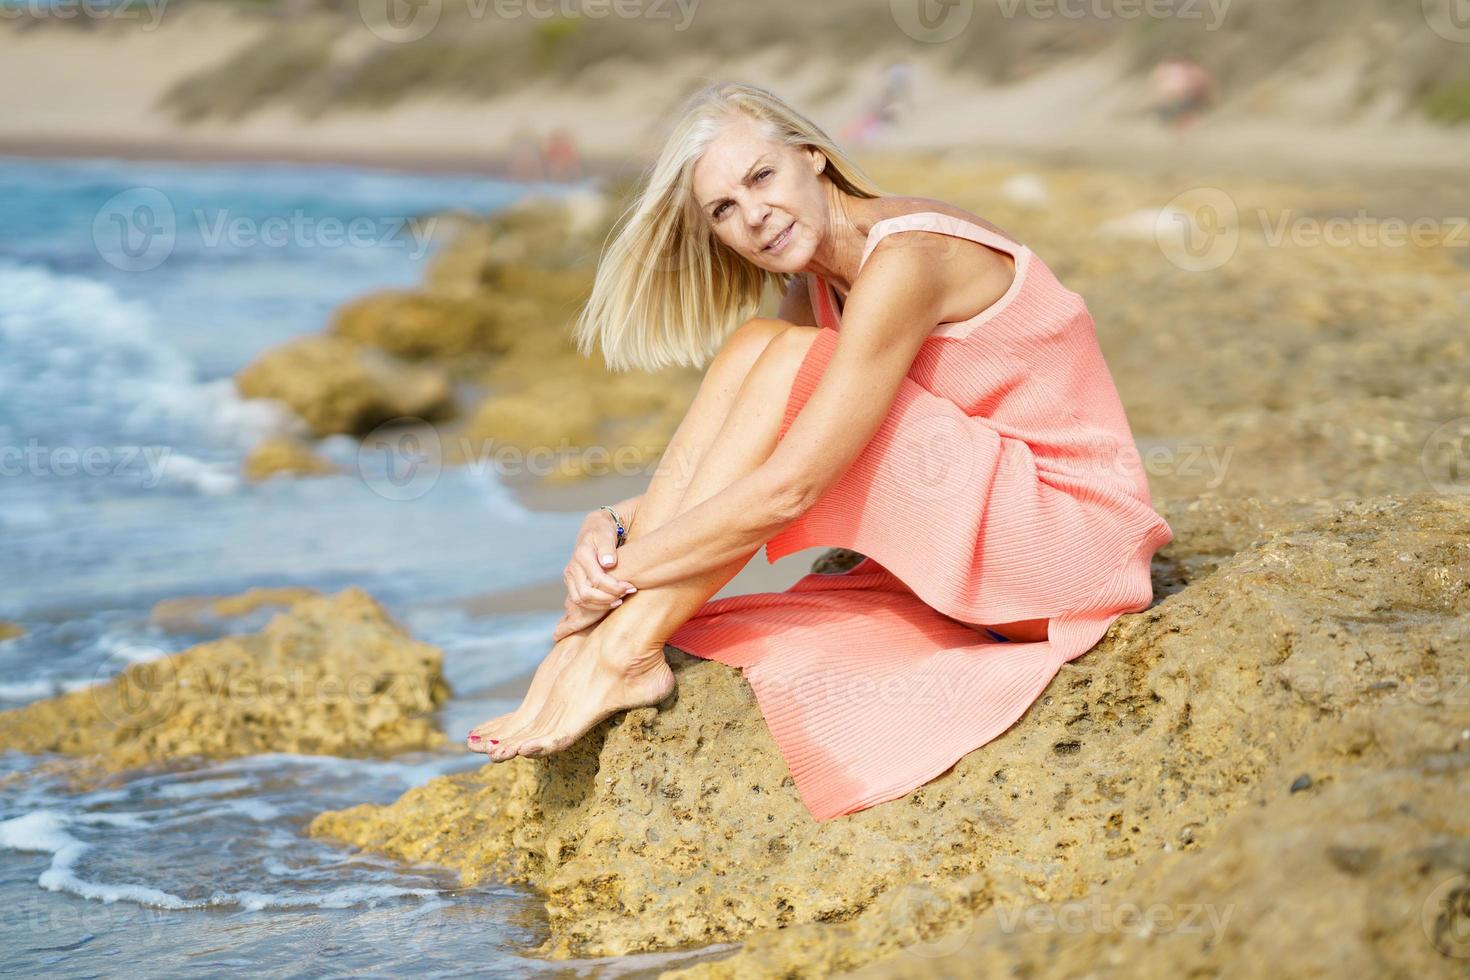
x,y
1002,489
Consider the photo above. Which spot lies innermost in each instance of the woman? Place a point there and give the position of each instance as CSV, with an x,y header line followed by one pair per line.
x,y
963,434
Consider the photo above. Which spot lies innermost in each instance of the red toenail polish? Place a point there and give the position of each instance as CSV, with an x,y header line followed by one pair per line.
x,y
495,741
474,738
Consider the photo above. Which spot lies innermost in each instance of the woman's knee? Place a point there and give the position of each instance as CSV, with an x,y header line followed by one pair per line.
x,y
776,368
783,353
744,346
747,341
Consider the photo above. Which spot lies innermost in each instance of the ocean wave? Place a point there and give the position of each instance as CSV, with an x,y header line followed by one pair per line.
x,y
83,367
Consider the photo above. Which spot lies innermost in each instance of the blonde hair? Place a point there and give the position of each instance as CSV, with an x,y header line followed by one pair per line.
x,y
667,290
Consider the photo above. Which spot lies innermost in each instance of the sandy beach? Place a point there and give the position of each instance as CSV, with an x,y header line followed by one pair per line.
x,y
1082,111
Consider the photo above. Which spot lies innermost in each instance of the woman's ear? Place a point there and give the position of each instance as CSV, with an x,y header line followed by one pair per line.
x,y
819,159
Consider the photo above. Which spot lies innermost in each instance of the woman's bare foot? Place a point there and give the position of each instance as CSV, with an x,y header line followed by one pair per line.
x,y
491,732
603,678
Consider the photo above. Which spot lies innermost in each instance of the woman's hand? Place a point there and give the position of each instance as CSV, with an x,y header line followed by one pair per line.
x,y
591,591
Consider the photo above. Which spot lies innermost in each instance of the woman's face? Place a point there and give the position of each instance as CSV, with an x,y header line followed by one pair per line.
x,y
762,198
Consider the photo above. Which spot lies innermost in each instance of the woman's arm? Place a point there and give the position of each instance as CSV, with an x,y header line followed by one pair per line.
x,y
626,509
887,318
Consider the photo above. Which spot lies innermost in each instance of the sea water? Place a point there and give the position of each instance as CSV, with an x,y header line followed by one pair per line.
x,y
130,292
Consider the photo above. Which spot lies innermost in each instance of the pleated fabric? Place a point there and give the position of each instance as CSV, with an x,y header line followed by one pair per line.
x,y
1003,487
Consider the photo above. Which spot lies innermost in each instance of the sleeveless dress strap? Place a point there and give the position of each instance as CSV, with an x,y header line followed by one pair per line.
x,y
819,293
944,224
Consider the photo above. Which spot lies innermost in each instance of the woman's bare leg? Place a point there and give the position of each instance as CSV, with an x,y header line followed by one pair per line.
x,y
660,502
622,663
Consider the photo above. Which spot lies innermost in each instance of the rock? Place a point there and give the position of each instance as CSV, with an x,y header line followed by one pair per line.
x,y
577,421
337,386
284,456
332,675
418,325
1155,768
835,561
202,614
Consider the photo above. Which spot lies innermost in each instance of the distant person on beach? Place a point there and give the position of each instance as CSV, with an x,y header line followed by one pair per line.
x,y
525,158
893,101
928,395
1181,90
563,162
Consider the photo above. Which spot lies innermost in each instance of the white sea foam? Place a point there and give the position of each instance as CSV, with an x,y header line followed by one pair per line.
x,y
83,364
211,479
45,831
27,690
181,790
338,898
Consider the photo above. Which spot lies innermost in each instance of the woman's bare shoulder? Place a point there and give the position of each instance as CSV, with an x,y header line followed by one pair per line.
x,y
972,276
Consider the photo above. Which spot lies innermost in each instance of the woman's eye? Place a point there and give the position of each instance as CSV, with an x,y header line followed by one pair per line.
x,y
763,173
719,211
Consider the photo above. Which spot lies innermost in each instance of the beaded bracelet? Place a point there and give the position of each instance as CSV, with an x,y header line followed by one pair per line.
x,y
622,532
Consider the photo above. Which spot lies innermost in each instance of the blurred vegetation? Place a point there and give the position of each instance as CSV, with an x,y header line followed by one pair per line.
x,y
1448,102
315,55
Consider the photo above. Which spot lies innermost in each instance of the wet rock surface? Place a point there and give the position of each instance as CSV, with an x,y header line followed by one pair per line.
x,y
331,675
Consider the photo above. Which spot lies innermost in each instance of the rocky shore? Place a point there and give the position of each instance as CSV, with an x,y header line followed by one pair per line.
x,y
1272,754
1261,774
1262,765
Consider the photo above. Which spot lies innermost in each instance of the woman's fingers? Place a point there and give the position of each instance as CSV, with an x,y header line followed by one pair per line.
x,y
594,578
607,545
580,591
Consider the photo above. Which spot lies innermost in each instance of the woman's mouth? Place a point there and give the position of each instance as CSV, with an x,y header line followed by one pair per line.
x,y
780,240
